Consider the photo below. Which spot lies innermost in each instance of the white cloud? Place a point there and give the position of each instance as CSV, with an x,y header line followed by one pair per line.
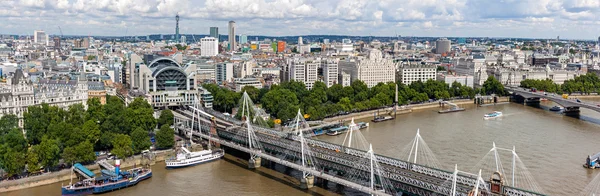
x,y
568,18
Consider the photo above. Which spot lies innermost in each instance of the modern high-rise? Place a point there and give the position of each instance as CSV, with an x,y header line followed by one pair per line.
x,y
232,42
214,32
40,37
224,72
243,39
300,42
209,46
177,28
303,70
442,46
330,71
280,46
57,44
371,70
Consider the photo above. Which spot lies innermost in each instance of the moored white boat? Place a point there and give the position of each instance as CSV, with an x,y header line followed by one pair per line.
x,y
186,158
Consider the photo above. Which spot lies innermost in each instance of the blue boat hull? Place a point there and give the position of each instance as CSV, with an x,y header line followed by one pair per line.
x,y
105,188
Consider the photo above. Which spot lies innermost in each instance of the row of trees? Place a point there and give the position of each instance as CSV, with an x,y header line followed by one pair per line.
x,y
589,83
283,101
75,133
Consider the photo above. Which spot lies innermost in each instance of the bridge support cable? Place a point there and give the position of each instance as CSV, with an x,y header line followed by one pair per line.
x,y
418,152
370,173
593,188
354,138
519,176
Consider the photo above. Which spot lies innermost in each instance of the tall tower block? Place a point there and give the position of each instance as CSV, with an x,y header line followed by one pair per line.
x,y
177,28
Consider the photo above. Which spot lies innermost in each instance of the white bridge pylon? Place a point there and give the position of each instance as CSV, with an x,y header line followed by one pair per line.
x,y
354,138
517,175
418,152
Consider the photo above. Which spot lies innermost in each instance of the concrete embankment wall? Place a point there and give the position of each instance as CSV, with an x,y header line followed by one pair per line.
x,y
401,109
65,174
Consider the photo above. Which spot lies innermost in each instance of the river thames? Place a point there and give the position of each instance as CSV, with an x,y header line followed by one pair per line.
x,y
552,146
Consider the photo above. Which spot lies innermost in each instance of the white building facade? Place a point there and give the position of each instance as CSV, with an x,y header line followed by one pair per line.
x,y
410,73
371,70
330,71
209,46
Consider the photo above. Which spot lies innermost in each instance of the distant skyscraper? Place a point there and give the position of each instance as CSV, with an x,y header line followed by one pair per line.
x,y
57,44
39,37
214,32
442,46
300,41
326,41
177,28
232,42
243,39
183,39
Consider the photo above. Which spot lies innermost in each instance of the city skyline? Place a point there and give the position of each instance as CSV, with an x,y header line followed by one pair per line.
x,y
569,19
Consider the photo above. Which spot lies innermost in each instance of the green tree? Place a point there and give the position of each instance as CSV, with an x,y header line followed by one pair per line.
x,y
69,155
280,99
165,137
76,114
122,146
91,58
345,104
139,103
493,86
141,140
95,110
142,117
252,91
49,152
335,93
166,118
85,152
14,139
8,123
14,162
91,131
36,120
33,161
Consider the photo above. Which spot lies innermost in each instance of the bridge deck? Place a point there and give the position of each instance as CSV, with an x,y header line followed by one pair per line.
x,y
413,174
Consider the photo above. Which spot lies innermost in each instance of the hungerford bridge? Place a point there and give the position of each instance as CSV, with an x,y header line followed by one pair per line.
x,y
360,170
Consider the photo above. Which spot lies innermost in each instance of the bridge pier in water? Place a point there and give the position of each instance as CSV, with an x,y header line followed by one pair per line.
x,y
254,162
571,111
307,182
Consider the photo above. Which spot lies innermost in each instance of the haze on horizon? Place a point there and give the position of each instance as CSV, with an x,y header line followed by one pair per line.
x,y
569,19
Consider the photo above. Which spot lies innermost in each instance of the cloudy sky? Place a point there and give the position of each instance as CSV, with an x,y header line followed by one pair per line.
x,y
572,19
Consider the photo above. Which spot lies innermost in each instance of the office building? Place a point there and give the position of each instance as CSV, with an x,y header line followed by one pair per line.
x,y
40,37
413,72
57,46
214,32
472,66
206,97
232,42
209,46
205,71
224,73
371,70
303,70
246,69
300,42
280,46
449,79
345,79
240,83
330,71
442,46
243,39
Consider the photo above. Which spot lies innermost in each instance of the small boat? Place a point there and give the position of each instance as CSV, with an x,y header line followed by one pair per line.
x,y
455,109
337,130
362,125
494,114
556,109
382,118
186,158
108,181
